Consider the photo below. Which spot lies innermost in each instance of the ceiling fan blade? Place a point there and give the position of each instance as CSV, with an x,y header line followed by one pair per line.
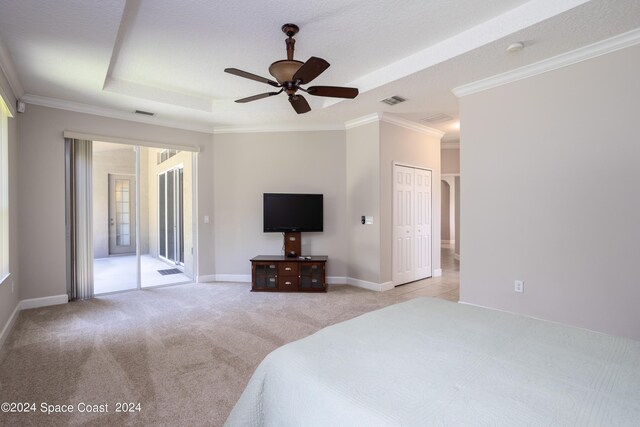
x,y
299,104
250,76
333,91
310,70
256,97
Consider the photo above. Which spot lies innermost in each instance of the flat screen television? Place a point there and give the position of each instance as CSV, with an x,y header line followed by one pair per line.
x,y
283,212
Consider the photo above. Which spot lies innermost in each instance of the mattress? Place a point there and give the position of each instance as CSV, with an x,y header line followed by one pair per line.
x,y
433,362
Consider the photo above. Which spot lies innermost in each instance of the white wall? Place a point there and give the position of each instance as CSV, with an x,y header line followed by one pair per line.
x,y
41,186
250,164
551,195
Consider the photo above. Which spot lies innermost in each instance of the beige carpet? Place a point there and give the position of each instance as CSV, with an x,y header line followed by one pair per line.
x,y
185,353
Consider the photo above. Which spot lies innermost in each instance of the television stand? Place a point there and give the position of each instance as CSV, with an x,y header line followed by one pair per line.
x,y
292,244
277,273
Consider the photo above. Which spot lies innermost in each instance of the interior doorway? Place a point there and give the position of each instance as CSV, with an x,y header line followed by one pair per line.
x,y
143,225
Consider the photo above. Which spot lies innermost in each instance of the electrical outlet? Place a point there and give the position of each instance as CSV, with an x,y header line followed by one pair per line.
x,y
519,286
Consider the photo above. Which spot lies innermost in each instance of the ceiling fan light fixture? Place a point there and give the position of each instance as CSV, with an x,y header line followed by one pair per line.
x,y
291,75
284,70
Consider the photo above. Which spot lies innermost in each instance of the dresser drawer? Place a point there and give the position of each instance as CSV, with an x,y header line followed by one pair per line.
x,y
288,269
288,283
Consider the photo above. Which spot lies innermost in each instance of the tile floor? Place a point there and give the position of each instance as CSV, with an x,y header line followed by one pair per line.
x,y
118,273
446,286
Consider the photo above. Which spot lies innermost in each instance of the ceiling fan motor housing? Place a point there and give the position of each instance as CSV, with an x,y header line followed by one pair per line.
x,y
284,70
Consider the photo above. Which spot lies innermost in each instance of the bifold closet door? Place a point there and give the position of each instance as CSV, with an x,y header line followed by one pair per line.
x,y
422,229
411,224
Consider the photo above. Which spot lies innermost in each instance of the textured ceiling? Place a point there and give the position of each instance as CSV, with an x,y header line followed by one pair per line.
x,y
168,56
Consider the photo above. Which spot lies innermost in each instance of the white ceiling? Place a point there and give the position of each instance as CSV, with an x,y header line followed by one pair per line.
x,y
168,56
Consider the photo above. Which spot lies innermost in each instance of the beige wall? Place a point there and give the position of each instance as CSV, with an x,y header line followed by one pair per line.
x,y
10,287
363,198
550,195
450,160
445,214
457,216
41,186
248,165
412,148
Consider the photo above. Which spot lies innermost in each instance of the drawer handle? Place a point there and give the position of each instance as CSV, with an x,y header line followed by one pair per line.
x,y
313,281
287,269
272,279
287,283
272,266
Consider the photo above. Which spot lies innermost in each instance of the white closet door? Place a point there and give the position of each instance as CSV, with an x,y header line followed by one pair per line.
x,y
411,224
422,179
403,227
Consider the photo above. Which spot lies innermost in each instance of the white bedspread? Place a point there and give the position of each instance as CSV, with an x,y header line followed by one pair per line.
x,y
432,362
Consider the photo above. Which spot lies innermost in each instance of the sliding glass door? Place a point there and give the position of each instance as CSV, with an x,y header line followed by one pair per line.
x,y
171,215
142,217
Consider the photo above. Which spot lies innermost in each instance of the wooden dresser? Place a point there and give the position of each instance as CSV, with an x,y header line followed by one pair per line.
x,y
275,273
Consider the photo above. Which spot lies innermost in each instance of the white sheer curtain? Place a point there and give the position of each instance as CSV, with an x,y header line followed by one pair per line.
x,y
79,155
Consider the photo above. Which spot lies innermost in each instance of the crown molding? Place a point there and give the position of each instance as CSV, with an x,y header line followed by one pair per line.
x,y
395,120
364,120
112,113
6,65
450,145
408,124
125,115
594,50
272,129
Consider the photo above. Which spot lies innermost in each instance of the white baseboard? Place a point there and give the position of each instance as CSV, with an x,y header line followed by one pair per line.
x,y
386,286
243,278
456,256
206,279
437,272
26,304
372,286
9,325
336,280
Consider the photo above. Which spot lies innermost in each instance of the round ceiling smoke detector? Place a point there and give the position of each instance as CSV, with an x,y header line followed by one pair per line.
x,y
515,47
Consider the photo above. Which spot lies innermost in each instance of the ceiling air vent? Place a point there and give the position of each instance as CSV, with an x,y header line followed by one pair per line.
x,y
395,99
144,113
437,118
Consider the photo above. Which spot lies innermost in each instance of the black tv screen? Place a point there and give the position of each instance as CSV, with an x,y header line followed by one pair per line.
x,y
292,212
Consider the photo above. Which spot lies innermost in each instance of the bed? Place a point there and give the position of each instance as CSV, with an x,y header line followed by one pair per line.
x,y
433,362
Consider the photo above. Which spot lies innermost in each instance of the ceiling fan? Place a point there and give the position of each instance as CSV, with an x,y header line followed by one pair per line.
x,y
290,74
